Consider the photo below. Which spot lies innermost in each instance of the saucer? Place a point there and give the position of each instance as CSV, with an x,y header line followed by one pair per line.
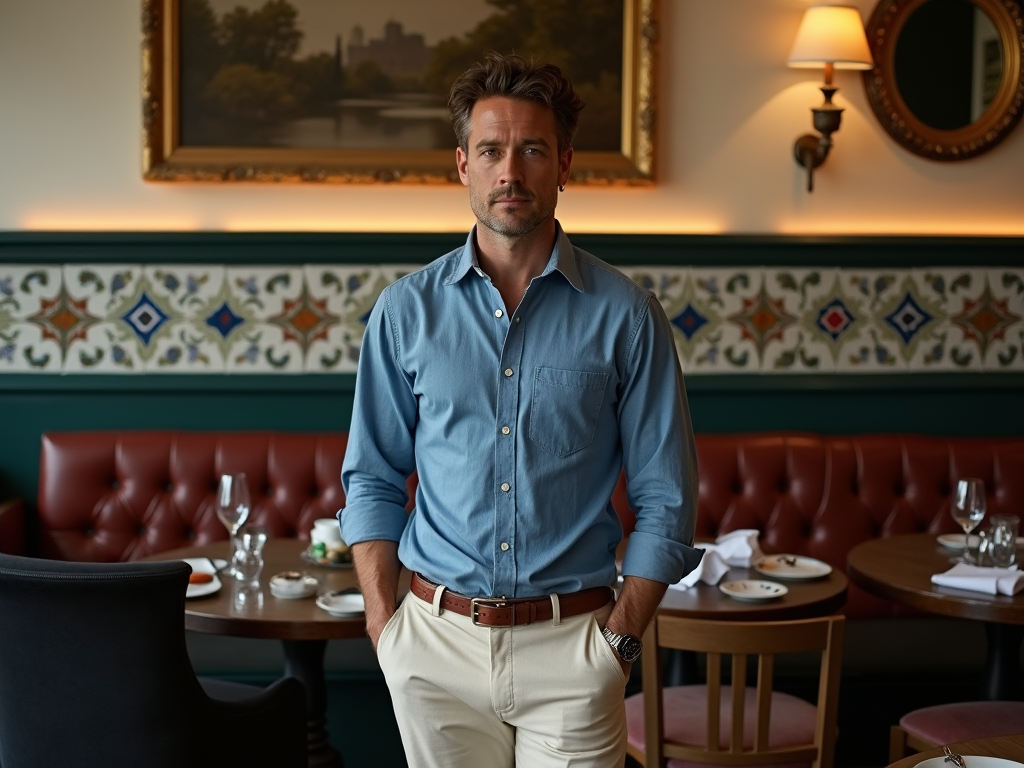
x,y
753,590
342,605
300,585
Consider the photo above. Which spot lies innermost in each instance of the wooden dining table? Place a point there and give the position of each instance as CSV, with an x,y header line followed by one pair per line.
x,y
1006,747
302,627
899,568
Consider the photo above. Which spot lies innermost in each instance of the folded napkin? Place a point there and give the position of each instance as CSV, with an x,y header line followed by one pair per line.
x,y
711,568
994,581
737,548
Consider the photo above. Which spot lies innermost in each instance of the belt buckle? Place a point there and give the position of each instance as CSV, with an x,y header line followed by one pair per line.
x,y
490,602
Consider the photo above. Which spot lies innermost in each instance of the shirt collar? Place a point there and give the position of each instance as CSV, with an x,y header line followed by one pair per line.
x,y
563,259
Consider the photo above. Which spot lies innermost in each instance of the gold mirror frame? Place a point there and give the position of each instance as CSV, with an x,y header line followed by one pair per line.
x,y
164,158
883,30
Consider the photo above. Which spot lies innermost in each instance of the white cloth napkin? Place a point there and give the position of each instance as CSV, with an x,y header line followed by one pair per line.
x,y
736,548
993,581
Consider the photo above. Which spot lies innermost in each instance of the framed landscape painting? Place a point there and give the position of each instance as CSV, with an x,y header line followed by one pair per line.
x,y
344,91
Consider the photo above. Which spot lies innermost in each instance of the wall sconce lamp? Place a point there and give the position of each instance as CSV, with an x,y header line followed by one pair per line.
x,y
830,36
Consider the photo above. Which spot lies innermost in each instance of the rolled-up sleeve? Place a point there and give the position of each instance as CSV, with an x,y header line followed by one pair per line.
x,y
380,453
658,455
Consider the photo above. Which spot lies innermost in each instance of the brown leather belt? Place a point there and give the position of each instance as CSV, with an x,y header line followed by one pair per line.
x,y
495,612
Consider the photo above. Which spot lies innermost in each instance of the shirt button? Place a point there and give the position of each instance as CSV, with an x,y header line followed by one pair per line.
x,y
506,487
517,319
504,546
498,313
505,430
508,372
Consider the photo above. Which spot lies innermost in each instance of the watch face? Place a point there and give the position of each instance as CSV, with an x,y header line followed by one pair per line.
x,y
629,648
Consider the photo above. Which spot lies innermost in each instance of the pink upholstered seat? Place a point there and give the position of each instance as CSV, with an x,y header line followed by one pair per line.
x,y
948,723
792,722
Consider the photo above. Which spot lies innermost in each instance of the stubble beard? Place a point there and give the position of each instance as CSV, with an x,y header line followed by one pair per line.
x,y
511,227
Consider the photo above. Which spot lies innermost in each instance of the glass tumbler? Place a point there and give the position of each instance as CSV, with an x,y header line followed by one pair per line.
x,y
248,558
1003,540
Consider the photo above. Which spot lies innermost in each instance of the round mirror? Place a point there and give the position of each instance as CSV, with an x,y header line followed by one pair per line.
x,y
947,77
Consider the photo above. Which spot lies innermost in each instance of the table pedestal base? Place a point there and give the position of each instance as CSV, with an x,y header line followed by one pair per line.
x,y
304,660
1002,667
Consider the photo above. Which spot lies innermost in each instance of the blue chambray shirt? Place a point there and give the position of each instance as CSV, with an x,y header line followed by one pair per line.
x,y
518,425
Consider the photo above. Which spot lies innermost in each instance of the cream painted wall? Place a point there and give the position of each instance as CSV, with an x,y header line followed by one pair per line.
x,y
729,113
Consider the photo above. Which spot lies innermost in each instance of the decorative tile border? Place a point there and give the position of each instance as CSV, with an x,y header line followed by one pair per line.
x,y
134,319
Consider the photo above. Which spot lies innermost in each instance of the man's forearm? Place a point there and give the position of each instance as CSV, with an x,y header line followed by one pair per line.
x,y
377,567
635,608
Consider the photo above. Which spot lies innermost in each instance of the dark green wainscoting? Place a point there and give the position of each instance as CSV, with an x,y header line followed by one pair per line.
x,y
939,404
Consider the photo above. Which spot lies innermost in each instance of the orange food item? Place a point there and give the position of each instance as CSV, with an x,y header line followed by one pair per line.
x,y
200,578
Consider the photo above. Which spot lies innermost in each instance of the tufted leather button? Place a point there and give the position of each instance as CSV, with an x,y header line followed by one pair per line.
x,y
737,487
141,531
783,485
944,490
268,491
88,531
115,483
898,490
169,487
855,488
315,493
190,534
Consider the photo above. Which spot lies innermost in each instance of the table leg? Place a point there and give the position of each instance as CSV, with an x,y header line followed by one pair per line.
x,y
1002,667
304,660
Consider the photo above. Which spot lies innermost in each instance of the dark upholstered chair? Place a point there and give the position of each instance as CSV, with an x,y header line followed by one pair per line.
x,y
931,727
716,724
94,672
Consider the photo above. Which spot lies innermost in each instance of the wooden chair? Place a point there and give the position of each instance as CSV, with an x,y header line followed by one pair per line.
x,y
932,727
667,726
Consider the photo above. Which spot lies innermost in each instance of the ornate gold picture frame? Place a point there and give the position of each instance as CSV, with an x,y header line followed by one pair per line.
x,y
169,155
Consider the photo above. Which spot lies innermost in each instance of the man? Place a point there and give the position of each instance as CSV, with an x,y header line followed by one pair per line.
x,y
517,375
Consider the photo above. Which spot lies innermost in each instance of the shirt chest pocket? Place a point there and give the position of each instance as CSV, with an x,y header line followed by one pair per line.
x,y
565,408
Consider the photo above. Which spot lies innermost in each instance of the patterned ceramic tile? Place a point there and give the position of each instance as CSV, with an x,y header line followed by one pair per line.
x,y
822,321
940,348
877,349
985,319
189,344
30,345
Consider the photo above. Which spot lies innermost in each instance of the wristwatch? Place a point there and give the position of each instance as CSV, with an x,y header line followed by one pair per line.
x,y
628,647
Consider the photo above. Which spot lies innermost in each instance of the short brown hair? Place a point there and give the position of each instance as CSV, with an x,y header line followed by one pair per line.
x,y
516,78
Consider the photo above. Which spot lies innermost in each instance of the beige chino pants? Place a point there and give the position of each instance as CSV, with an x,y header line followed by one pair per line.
x,y
534,696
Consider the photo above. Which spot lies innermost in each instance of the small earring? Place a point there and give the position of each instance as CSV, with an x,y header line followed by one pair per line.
x,y
561,187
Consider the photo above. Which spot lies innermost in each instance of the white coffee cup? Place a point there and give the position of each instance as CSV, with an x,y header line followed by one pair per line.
x,y
326,531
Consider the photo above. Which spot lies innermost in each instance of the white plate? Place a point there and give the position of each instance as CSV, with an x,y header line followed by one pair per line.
x,y
972,762
792,567
956,541
202,565
342,604
753,590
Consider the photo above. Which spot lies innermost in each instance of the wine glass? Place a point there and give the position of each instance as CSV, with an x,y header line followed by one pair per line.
x,y
233,507
969,509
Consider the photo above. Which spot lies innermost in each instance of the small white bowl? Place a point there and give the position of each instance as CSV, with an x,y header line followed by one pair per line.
x,y
292,585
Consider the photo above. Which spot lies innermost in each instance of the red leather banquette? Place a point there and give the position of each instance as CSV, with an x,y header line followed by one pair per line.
x,y
108,496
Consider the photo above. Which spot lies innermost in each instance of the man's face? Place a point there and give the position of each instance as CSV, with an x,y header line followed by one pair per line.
x,y
512,166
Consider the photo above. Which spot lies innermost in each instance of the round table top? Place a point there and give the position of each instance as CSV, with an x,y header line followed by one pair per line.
x,y
805,599
900,568
263,615
1008,747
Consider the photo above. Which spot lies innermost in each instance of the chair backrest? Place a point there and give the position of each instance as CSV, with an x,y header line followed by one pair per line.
x,y
740,640
93,665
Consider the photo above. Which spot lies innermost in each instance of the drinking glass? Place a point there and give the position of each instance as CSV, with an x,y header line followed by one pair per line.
x,y
233,507
969,509
1004,540
247,561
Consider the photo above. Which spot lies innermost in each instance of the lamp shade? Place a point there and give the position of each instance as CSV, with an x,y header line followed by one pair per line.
x,y
831,34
